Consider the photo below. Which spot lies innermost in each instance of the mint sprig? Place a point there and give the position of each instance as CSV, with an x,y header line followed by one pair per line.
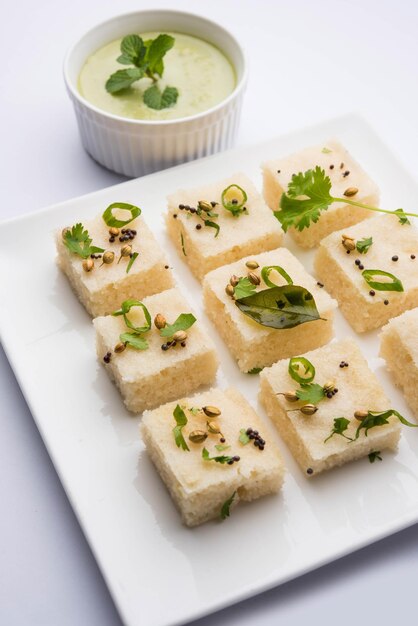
x,y
147,59
309,193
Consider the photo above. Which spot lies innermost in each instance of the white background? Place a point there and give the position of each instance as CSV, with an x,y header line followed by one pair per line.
x,y
308,61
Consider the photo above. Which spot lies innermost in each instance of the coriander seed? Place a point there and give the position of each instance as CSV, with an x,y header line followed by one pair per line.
x,y
108,257
229,290
120,347
253,278
114,232
88,265
211,411
252,265
350,191
160,321
180,336
198,436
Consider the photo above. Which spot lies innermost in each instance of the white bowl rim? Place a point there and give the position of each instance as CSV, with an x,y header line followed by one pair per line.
x,y
138,122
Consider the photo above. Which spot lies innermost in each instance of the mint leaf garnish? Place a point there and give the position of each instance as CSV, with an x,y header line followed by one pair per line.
x,y
225,510
156,51
183,322
122,79
156,99
363,245
133,49
78,241
181,421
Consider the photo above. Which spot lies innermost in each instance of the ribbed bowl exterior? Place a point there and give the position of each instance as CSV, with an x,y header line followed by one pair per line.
x,y
137,150
138,147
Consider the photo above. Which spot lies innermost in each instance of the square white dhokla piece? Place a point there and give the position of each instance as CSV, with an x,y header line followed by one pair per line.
x,y
102,289
252,344
147,378
253,231
394,250
308,436
343,171
399,348
201,488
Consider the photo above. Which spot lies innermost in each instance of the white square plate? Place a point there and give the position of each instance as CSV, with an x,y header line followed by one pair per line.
x,y
159,572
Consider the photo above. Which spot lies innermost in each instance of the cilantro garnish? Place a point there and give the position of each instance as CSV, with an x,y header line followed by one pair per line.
x,y
146,57
376,418
183,322
181,421
339,428
255,370
363,245
78,241
308,194
221,447
218,459
375,455
225,510
393,284
182,244
134,340
310,392
244,288
243,437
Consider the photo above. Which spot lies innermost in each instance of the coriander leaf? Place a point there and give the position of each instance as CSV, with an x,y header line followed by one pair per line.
x,y
194,410
393,285
213,225
402,216
326,150
295,363
375,455
132,47
154,98
126,306
78,241
156,51
225,510
243,437
122,79
134,340
265,273
374,418
111,221
244,288
339,428
255,370
181,421
310,392
183,322
300,212
221,447
286,306
218,459
233,199
132,260
363,245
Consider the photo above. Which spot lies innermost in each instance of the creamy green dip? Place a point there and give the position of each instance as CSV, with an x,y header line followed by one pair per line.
x,y
201,73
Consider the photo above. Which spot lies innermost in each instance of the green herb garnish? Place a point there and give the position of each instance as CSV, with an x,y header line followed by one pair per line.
x,y
311,393
339,428
308,194
393,285
134,340
181,421
295,365
132,260
326,150
375,418
126,306
244,288
78,241
183,322
265,273
225,510
233,199
255,370
221,447
243,437
182,244
363,245
214,225
218,459
112,221
281,307
147,60
373,456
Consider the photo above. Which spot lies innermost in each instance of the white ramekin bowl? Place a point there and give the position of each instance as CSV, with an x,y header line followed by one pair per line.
x,y
137,147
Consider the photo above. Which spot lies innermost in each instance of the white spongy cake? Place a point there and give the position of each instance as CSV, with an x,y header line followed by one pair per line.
x,y
252,344
252,232
336,161
147,378
199,488
399,348
358,390
103,289
394,250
